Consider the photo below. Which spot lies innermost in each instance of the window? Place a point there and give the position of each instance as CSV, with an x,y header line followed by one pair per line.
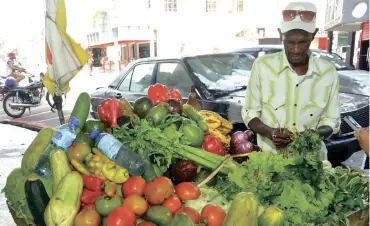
x,y
240,6
211,5
174,75
115,32
170,5
103,23
140,78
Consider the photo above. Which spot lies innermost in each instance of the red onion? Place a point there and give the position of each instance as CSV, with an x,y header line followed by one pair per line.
x,y
249,134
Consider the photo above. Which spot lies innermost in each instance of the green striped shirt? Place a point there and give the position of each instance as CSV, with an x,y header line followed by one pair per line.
x,y
281,98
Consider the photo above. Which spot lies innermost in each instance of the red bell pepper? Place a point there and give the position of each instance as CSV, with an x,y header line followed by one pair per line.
x,y
109,112
175,94
213,145
93,183
89,197
158,93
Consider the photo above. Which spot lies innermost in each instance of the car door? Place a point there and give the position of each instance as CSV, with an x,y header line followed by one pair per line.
x,y
136,82
173,74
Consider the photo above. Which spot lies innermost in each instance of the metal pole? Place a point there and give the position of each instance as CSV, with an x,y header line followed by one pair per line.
x,y
351,49
330,41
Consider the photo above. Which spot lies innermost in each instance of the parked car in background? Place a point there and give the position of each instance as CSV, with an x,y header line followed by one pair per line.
x,y
220,81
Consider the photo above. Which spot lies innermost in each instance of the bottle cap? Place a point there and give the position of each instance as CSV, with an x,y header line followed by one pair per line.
x,y
94,134
74,122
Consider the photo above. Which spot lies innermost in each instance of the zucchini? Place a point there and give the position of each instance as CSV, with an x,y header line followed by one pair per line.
x,y
194,115
81,110
37,199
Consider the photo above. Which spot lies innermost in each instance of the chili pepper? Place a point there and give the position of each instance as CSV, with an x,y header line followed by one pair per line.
x,y
110,188
175,94
115,173
100,154
109,112
88,207
80,167
158,93
92,183
89,197
213,144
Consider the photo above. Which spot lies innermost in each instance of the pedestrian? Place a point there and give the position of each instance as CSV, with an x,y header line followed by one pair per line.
x,y
363,139
14,68
292,90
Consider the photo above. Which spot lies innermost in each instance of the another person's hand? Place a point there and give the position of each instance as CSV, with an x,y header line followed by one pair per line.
x,y
363,139
281,137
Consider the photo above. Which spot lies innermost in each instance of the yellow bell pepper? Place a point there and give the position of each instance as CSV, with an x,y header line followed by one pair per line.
x,y
115,173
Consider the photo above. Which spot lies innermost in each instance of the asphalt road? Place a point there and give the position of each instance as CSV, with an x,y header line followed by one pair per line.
x,y
43,116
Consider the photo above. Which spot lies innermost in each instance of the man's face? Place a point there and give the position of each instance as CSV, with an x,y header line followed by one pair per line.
x,y
297,45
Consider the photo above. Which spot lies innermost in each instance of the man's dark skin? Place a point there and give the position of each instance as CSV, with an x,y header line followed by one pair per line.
x,y
296,46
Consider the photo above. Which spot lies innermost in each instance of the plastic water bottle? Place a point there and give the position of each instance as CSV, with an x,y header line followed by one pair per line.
x,y
63,139
117,152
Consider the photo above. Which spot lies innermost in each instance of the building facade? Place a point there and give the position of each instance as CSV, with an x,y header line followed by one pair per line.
x,y
130,29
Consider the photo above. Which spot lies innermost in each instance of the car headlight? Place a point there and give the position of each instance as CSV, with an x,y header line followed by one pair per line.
x,y
352,102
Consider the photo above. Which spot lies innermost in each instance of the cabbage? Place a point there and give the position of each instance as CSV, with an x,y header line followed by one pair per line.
x,y
16,196
208,196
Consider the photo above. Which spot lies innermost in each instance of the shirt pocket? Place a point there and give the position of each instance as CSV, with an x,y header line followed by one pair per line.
x,y
273,112
311,113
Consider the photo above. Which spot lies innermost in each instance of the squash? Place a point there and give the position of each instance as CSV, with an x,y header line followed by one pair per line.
x,y
272,216
243,211
59,166
36,148
37,199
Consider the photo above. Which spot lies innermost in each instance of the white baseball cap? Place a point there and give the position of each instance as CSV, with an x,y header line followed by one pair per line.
x,y
297,22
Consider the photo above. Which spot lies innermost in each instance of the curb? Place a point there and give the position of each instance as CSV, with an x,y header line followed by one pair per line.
x,y
26,125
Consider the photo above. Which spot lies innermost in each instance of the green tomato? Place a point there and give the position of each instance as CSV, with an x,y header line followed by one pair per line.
x,y
105,204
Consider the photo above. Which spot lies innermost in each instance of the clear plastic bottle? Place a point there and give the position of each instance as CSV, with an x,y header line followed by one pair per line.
x,y
118,153
63,139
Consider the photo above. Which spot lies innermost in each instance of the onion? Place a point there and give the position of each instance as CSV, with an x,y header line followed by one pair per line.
x,y
257,148
174,106
242,148
238,137
249,134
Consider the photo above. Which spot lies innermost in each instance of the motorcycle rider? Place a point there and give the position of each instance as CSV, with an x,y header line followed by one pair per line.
x,y
14,68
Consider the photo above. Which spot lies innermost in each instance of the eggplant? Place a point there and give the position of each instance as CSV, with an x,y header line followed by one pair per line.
x,y
183,171
174,106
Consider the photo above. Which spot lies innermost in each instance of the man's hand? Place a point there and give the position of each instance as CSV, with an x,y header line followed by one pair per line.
x,y
363,137
281,137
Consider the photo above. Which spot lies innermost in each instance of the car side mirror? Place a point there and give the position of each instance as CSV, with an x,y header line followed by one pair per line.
x,y
261,53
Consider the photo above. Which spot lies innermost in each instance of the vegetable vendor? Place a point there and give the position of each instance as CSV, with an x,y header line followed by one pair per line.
x,y
292,90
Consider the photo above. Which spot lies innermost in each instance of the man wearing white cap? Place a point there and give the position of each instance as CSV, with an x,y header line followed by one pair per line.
x,y
292,90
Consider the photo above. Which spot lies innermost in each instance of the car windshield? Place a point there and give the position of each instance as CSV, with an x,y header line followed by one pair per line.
x,y
223,72
335,59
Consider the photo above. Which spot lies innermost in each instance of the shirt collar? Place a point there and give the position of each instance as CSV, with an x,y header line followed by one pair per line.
x,y
312,68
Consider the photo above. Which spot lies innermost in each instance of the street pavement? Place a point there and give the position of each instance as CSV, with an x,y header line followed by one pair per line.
x,y
43,116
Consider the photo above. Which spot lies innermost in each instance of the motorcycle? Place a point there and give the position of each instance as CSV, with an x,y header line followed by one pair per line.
x,y
19,98
2,86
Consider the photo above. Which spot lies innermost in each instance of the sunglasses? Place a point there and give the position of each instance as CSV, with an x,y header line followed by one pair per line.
x,y
306,16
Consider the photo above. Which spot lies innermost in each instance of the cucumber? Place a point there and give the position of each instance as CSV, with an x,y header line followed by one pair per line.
x,y
36,148
59,166
194,115
81,110
37,200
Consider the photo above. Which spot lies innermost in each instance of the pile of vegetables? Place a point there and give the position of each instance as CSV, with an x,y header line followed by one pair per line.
x,y
197,173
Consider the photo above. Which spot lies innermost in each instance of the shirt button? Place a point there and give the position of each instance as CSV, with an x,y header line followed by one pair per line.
x,y
295,105
311,114
293,124
297,85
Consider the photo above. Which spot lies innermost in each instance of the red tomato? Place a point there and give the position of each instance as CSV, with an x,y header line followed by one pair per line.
x,y
133,186
187,191
137,204
192,213
158,190
173,203
121,216
146,223
213,215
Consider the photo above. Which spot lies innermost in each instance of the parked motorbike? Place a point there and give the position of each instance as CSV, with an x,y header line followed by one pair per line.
x,y
18,98
2,86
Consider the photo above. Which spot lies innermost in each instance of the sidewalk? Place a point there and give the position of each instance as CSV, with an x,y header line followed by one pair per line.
x,y
13,143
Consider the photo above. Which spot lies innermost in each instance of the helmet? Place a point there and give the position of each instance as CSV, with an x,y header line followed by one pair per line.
x,y
11,82
11,55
